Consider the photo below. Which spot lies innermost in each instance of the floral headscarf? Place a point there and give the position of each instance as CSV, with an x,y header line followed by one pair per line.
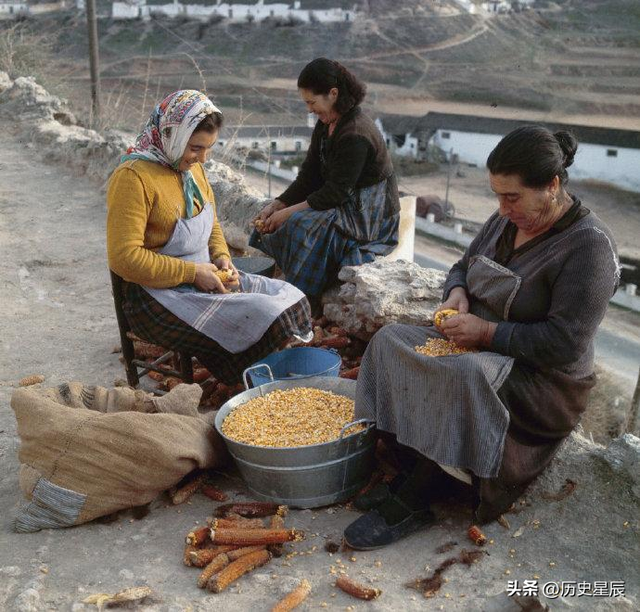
x,y
167,132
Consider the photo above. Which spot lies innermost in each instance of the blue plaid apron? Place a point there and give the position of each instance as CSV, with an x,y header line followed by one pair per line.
x,y
312,246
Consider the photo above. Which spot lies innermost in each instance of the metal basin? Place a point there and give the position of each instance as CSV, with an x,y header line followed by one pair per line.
x,y
304,476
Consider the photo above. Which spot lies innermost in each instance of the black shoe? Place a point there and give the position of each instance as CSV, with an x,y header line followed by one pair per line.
x,y
371,531
378,494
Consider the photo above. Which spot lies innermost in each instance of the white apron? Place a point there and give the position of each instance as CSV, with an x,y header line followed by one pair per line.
x,y
236,321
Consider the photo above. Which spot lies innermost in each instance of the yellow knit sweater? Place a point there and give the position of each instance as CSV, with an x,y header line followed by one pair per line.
x,y
144,201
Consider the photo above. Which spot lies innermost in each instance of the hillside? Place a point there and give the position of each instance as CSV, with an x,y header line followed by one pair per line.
x,y
570,58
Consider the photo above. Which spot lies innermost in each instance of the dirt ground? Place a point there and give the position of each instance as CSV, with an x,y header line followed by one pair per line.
x,y
58,320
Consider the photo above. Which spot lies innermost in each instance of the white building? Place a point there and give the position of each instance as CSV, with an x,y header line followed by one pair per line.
x,y
11,9
402,135
604,154
234,12
280,140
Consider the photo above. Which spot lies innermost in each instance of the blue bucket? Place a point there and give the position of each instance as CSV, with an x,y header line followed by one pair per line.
x,y
294,364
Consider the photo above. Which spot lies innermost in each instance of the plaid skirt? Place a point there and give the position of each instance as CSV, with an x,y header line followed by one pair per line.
x,y
310,249
152,322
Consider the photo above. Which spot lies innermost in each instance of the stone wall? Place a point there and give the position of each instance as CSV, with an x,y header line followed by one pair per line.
x,y
54,132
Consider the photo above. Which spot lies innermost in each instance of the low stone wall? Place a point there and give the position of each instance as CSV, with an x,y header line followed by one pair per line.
x,y
48,124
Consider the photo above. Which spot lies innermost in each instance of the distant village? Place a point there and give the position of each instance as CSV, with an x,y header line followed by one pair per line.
x,y
235,12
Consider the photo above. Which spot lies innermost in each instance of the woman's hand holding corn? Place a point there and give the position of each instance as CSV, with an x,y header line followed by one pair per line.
x,y
207,280
468,331
224,263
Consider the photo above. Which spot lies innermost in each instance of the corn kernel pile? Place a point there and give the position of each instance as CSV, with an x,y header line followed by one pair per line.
x,y
438,347
295,417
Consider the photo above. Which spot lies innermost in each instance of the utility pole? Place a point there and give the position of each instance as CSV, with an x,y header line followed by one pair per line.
x,y
92,25
446,194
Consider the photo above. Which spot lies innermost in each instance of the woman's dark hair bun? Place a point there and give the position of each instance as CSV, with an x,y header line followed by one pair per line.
x,y
569,146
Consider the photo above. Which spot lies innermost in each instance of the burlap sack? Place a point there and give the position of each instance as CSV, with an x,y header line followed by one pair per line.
x,y
88,451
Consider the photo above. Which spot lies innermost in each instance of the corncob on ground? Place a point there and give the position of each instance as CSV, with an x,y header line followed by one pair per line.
x,y
188,550
245,550
255,537
203,556
238,568
293,599
237,523
356,589
276,522
217,564
197,537
185,492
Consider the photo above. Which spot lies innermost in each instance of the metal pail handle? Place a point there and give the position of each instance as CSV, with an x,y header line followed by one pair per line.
x,y
256,367
356,422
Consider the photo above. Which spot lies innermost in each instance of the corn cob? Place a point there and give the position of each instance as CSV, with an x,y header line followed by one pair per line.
x,y
237,569
145,350
251,509
200,375
255,537
335,342
356,589
293,599
217,564
351,374
245,550
224,275
186,558
276,522
185,492
214,493
34,379
476,536
237,523
198,537
441,315
338,331
201,557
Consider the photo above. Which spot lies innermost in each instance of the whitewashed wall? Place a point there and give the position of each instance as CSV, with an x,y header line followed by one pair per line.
x,y
122,10
235,13
409,147
283,144
471,148
591,161
13,8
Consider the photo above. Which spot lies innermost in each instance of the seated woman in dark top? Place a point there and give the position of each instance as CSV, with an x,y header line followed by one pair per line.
x,y
343,208
530,290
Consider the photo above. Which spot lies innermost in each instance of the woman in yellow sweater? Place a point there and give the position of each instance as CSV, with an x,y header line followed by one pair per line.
x,y
165,241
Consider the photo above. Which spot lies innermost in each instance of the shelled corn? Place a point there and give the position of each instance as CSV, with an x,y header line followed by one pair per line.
x,y
295,417
438,347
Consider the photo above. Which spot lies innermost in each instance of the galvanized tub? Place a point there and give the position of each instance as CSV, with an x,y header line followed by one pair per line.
x,y
304,476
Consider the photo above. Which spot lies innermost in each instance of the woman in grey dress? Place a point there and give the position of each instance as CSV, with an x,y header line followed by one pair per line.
x,y
530,290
